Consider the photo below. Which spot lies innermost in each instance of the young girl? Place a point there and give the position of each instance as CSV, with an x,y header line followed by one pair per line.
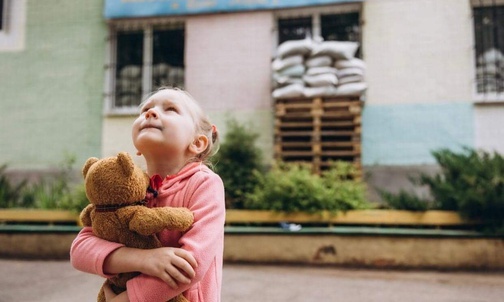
x,y
175,138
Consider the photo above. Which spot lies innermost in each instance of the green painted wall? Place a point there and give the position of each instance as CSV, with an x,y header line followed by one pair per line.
x,y
51,93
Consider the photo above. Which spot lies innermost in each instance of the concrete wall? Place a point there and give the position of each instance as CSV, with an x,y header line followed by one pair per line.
x,y
373,251
421,76
389,251
51,88
489,127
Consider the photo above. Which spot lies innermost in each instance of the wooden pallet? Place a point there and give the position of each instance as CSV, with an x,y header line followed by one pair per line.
x,y
318,130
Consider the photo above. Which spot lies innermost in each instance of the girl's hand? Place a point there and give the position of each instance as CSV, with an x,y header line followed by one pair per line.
x,y
172,265
110,296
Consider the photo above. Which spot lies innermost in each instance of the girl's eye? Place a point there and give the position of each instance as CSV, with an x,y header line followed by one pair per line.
x,y
171,109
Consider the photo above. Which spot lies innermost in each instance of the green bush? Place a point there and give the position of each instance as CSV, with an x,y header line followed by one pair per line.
x,y
471,183
404,201
10,194
292,187
236,161
50,192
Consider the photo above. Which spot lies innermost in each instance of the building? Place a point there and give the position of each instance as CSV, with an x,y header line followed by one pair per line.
x,y
73,73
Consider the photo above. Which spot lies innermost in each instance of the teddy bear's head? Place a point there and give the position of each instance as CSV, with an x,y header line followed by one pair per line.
x,y
114,180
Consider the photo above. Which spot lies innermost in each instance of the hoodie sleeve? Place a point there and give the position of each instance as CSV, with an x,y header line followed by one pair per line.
x,y
88,252
204,240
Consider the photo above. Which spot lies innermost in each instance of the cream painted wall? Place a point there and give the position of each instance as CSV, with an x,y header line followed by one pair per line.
x,y
489,127
117,138
228,60
427,57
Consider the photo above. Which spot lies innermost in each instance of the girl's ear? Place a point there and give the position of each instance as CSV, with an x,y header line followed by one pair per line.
x,y
199,144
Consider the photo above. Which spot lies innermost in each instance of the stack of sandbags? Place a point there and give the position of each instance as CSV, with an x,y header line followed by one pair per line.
x,y
166,75
305,68
288,68
129,85
490,72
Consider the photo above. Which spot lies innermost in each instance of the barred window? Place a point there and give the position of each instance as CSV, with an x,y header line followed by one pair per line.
x,y
294,29
489,40
144,60
331,27
2,16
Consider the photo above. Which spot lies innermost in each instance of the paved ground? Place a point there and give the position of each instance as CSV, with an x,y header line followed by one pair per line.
x,y
57,281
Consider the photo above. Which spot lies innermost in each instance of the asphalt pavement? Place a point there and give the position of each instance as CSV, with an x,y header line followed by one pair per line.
x,y
57,281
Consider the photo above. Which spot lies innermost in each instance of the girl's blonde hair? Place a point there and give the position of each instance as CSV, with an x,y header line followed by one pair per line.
x,y
201,122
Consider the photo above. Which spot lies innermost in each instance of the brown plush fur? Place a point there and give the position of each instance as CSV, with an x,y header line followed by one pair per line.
x,y
116,181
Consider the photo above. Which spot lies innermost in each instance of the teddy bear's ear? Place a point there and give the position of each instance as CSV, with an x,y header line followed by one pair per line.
x,y
88,165
126,163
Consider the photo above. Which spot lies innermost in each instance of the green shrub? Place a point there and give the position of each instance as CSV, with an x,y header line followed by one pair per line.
x,y
404,201
10,194
470,182
292,187
236,160
49,192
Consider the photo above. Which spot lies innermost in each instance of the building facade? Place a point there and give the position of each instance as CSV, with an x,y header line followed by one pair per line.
x,y
434,73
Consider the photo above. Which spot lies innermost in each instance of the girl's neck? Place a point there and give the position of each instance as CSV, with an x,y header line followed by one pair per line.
x,y
164,167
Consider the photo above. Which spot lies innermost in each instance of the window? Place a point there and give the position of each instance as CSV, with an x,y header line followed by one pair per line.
x,y
2,15
489,41
337,26
12,25
144,60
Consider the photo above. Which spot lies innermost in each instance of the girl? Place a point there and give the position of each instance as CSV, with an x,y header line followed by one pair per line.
x,y
175,138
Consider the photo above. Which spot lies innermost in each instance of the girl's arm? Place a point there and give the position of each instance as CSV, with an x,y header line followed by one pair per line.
x,y
89,252
93,255
204,240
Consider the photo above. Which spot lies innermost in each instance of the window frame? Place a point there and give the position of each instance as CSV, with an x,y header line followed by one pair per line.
x,y
147,27
314,13
12,34
485,97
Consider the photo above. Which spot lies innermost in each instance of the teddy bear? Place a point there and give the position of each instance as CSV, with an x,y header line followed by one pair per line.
x,y
116,189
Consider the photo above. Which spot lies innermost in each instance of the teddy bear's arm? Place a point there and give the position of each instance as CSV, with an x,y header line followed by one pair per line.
x,y
148,221
85,215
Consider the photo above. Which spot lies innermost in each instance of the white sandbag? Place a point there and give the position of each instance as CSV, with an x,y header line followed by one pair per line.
x,y
491,56
335,49
291,91
321,70
351,89
125,85
319,61
350,79
294,47
320,79
350,72
159,70
286,80
355,62
279,63
310,92
293,71
130,72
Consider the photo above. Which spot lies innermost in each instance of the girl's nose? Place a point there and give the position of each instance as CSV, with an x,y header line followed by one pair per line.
x,y
151,113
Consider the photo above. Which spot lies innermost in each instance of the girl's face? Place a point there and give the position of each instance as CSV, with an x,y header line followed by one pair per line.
x,y
165,125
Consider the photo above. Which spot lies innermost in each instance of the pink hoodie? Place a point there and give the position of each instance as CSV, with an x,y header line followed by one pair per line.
x,y
199,189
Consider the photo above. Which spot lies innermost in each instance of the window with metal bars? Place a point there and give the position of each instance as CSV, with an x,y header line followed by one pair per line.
x,y
489,42
332,27
145,60
294,29
2,17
